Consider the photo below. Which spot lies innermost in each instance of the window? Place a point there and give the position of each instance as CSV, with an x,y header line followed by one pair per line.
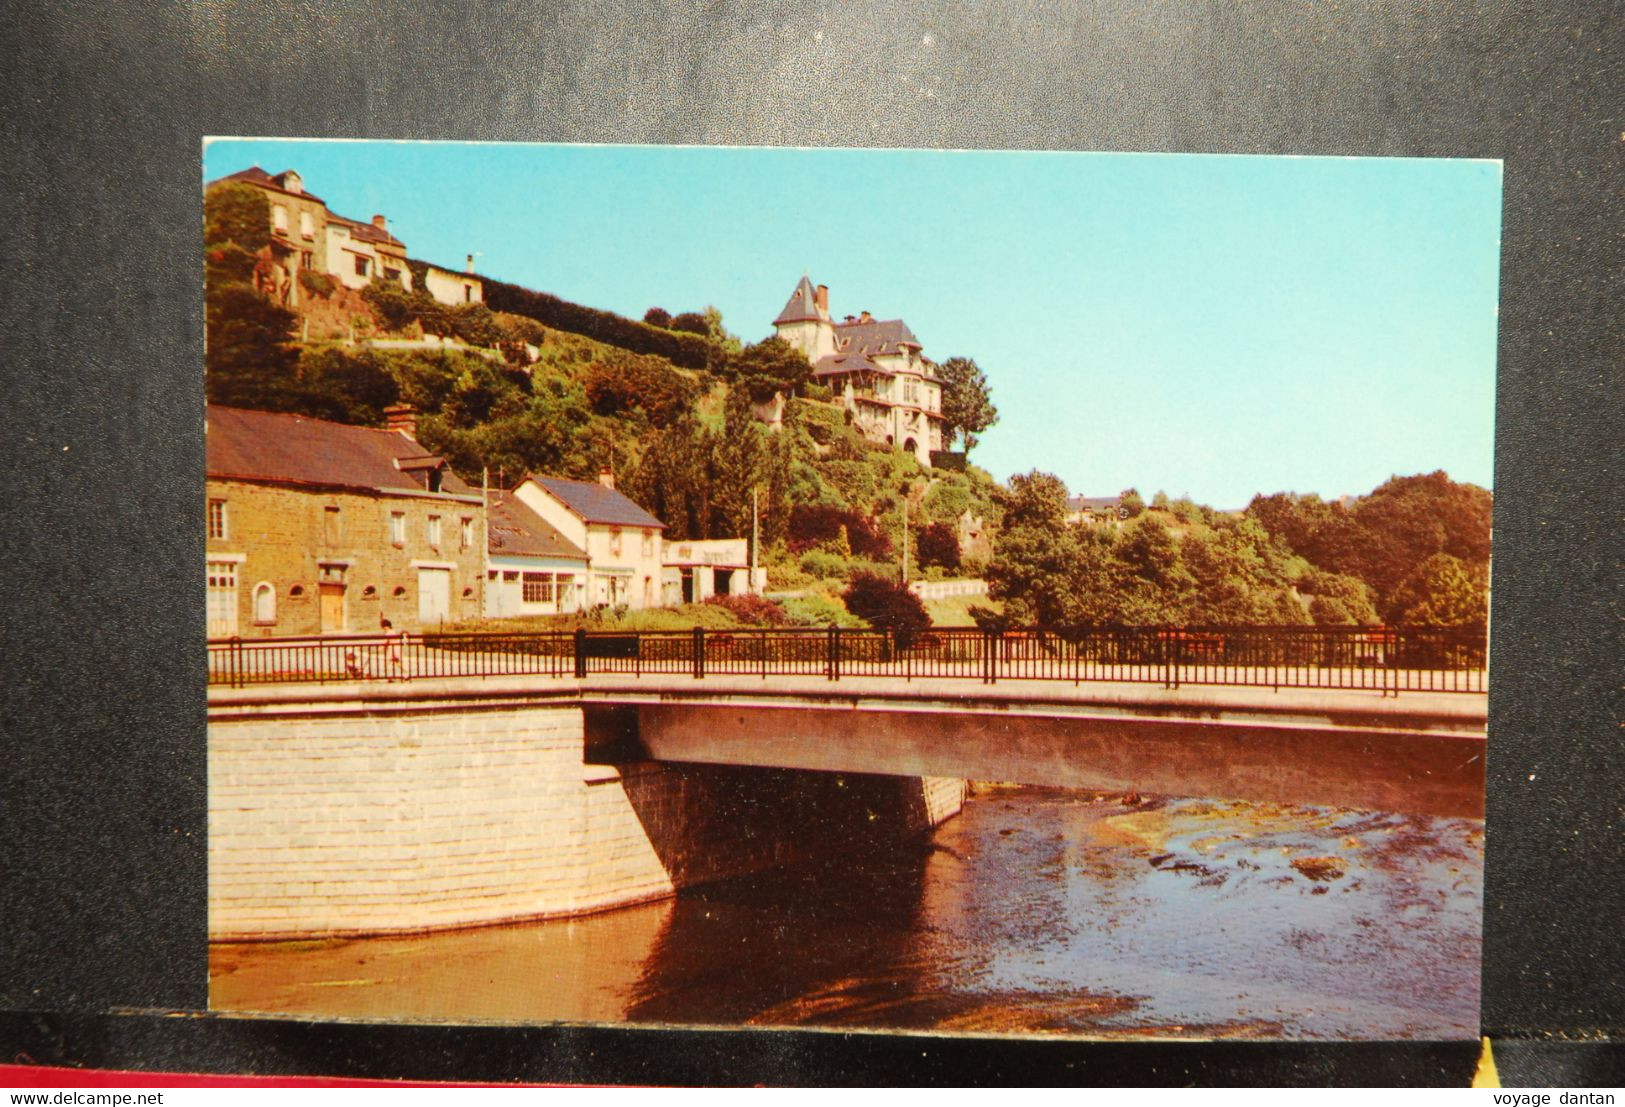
x,y
392,274
466,532
614,541
222,598
217,518
361,265
648,543
538,588
307,228
468,293
434,532
397,529
307,260
279,219
331,530
264,604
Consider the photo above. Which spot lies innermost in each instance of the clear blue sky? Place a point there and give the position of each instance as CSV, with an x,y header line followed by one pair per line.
x,y
1216,326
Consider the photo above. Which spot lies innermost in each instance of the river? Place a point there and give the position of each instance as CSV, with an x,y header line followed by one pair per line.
x,y
1034,911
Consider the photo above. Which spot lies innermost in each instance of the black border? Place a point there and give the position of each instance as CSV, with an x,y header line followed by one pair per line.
x,y
103,811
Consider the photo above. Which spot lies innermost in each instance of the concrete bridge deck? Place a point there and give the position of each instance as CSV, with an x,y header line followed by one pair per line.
x,y
1419,752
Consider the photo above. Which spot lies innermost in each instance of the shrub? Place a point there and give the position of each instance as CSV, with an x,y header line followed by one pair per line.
x,y
657,317
819,524
887,605
753,610
823,564
819,609
321,284
690,351
938,545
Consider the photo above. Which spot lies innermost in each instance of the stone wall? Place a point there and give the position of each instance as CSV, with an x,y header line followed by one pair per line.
x,y
374,822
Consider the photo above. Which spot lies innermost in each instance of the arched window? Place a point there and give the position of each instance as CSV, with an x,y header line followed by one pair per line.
x,y
264,603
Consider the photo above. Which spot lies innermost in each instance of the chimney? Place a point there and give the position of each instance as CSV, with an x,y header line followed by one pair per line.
x,y
379,222
606,477
468,267
403,418
822,300
866,318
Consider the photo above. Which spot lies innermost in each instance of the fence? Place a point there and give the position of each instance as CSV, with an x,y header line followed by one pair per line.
x,y
1388,659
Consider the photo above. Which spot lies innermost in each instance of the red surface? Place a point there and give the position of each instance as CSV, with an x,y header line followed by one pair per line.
x,y
41,1076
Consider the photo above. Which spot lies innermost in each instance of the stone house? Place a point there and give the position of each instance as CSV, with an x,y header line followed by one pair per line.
x,y
307,237
531,568
875,367
321,528
622,541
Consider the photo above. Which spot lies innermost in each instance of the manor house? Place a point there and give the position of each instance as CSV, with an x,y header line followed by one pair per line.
x,y
873,365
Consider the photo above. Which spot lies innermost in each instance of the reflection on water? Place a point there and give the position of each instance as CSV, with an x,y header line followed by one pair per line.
x,y
1034,911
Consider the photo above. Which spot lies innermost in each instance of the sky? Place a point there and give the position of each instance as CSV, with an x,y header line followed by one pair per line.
x,y
1206,325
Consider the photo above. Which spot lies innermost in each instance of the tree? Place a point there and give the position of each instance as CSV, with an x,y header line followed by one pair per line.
x,y
967,406
238,214
691,321
1441,591
1034,499
937,544
657,317
1131,503
248,356
770,367
887,605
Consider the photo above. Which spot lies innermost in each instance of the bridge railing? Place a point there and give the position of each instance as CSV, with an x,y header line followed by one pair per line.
x,y
1385,659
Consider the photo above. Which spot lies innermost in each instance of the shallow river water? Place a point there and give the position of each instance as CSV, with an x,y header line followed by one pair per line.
x,y
1033,911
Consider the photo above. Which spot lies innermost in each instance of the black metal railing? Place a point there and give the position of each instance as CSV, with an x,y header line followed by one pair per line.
x,y
1386,659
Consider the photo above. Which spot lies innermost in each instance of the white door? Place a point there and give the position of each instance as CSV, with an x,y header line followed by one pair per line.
x,y
222,599
434,596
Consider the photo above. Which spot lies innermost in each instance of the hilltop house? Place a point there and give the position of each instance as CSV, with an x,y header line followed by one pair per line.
x,y
307,237
317,527
531,568
622,541
873,365
1090,510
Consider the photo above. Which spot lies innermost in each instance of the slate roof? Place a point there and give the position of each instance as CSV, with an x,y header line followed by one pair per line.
x,y
514,530
1093,503
367,232
831,365
878,336
802,305
258,176
295,449
598,504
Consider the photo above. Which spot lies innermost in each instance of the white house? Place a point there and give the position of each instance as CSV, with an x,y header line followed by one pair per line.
x,y
875,367
453,288
530,568
622,541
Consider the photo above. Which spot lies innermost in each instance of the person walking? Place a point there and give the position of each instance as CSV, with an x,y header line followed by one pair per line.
x,y
394,652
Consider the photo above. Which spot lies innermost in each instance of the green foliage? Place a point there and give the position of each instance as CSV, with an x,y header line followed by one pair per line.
x,y
236,214
756,611
937,544
687,351
1034,499
817,525
1132,502
319,284
967,406
1337,600
825,564
887,604
1443,590
819,609
353,387
770,367
626,383
1386,536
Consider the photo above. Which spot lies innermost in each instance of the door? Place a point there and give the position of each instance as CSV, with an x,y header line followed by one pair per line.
x,y
222,599
434,596
331,597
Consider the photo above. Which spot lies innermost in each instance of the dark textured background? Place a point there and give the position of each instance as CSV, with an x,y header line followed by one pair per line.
x,y
103,869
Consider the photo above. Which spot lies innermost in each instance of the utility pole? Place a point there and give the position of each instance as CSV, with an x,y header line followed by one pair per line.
x,y
755,538
905,538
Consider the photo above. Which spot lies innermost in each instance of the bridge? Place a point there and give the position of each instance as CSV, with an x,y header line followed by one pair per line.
x,y
365,749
